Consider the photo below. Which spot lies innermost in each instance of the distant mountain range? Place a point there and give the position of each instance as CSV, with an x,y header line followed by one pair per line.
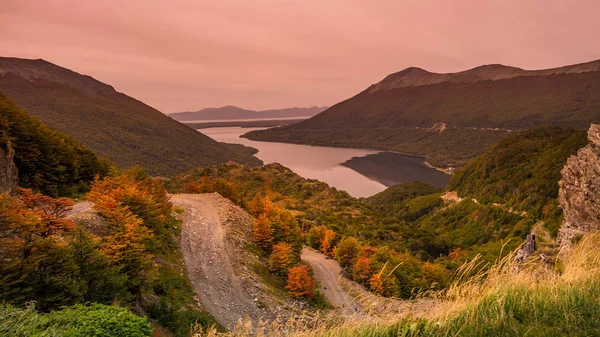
x,y
452,118
112,124
234,113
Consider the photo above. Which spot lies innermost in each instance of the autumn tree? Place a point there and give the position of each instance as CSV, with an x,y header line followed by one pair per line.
x,y
315,236
328,242
262,233
300,283
346,251
50,213
136,209
282,258
362,270
37,261
384,284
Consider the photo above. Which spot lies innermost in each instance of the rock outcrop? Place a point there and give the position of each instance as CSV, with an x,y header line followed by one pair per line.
x,y
9,175
579,194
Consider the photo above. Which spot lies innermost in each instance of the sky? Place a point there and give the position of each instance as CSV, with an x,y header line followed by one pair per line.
x,y
182,55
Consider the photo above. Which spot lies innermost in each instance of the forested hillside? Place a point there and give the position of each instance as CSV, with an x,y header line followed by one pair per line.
x,y
110,123
126,255
47,160
522,172
452,119
413,224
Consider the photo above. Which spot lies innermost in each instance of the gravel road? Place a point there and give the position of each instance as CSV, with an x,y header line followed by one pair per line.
x,y
207,259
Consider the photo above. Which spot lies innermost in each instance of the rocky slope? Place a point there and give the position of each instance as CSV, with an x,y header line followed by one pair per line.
x,y
9,175
111,123
579,193
405,112
214,240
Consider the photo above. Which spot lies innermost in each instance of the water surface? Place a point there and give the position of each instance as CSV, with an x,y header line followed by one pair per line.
x,y
361,173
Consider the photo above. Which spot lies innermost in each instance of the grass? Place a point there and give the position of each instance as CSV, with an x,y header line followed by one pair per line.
x,y
507,299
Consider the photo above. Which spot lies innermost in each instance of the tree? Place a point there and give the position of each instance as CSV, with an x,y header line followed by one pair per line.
x,y
282,258
362,270
384,284
328,242
346,251
50,213
102,280
37,262
300,283
262,233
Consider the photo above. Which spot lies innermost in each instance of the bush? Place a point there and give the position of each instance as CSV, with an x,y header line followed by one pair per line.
x,y
79,320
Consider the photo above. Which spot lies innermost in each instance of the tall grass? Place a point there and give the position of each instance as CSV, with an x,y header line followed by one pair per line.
x,y
508,299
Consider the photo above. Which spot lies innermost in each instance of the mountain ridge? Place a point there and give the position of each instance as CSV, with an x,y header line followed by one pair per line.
x,y
476,114
233,112
126,130
414,76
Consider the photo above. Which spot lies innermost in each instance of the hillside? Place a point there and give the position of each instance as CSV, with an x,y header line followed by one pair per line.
x,y
452,118
45,159
233,113
522,172
112,124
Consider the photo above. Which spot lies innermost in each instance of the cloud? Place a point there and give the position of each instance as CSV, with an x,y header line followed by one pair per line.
x,y
186,55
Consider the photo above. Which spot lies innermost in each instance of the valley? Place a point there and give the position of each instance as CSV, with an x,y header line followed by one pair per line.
x,y
361,173
405,110
299,169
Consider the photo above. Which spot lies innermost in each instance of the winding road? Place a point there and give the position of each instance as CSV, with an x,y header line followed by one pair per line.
x,y
329,274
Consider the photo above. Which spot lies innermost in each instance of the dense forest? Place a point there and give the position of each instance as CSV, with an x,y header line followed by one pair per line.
x,y
47,160
521,172
130,257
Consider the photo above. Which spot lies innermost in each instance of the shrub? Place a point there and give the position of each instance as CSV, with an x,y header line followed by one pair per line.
x,y
300,282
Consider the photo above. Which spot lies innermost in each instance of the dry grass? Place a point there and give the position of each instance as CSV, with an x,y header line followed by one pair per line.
x,y
531,299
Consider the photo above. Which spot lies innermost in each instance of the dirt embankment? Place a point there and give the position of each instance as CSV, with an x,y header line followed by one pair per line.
x,y
207,254
329,274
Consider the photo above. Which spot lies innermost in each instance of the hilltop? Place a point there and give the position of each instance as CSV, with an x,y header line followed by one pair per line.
x,y
233,113
452,118
111,123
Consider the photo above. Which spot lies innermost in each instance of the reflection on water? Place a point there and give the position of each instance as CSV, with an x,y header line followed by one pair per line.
x,y
325,163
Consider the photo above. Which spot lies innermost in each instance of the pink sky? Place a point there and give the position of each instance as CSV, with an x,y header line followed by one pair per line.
x,y
260,54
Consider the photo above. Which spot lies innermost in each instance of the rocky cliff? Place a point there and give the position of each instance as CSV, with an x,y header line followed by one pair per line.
x,y
9,175
579,193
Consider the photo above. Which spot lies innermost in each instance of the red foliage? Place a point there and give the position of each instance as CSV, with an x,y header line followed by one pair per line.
x,y
300,282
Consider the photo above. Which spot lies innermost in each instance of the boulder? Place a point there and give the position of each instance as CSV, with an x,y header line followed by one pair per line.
x,y
579,193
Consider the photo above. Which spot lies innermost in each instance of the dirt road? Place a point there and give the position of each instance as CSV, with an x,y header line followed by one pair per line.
x,y
351,298
207,260
329,275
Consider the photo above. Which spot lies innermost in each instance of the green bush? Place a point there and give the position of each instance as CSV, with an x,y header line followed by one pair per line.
x,y
94,320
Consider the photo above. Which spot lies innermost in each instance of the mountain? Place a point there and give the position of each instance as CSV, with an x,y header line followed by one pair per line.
x,y
46,160
233,113
452,118
111,123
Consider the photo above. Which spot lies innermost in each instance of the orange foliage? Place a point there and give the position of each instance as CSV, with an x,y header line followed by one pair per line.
x,y
382,284
282,258
300,283
262,233
458,254
49,214
327,243
362,269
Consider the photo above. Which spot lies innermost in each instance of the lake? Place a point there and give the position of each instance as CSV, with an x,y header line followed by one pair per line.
x,y
361,173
